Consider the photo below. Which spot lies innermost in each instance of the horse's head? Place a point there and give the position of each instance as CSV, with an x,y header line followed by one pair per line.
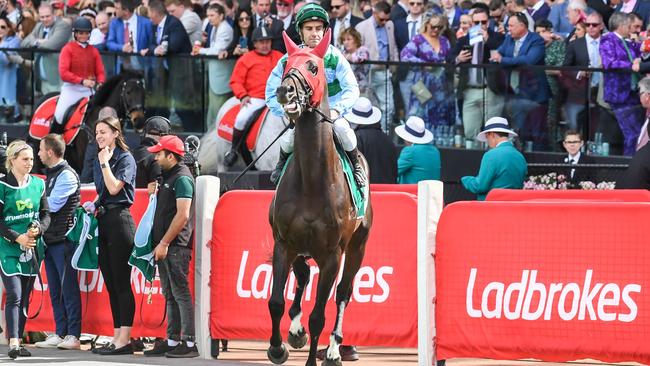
x,y
303,83
132,97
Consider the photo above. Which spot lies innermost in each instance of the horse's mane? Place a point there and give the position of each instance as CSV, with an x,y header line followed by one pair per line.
x,y
111,84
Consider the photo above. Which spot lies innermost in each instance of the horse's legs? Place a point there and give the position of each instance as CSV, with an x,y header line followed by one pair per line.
x,y
353,259
277,352
328,271
297,335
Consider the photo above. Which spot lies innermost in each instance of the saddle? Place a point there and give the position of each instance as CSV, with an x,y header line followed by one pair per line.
x,y
227,123
40,124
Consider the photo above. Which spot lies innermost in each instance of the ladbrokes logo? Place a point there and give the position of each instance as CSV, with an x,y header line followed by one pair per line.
x,y
369,285
23,204
593,301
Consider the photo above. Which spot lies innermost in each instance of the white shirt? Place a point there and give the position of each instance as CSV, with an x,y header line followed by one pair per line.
x,y
133,29
340,25
96,37
575,158
518,43
418,23
160,29
594,50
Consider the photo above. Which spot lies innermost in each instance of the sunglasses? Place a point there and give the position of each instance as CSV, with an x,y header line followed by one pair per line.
x,y
592,24
242,19
336,7
3,27
110,14
416,4
438,27
477,22
284,5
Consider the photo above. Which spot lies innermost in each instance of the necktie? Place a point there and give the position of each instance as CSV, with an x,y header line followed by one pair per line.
x,y
594,56
260,23
514,76
126,32
412,30
45,32
159,33
573,171
635,77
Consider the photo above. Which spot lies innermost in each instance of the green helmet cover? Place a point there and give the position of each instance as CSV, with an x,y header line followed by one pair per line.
x,y
311,12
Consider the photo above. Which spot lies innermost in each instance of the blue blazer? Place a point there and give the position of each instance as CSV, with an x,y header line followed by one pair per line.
x,y
115,40
456,23
642,8
176,36
532,83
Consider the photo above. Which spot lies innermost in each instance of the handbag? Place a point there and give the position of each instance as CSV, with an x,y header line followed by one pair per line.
x,y
421,92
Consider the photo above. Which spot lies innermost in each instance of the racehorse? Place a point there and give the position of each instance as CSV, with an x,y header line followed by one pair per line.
x,y
312,214
211,160
124,92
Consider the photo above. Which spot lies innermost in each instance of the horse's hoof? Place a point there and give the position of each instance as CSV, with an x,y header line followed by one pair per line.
x,y
278,355
327,362
297,341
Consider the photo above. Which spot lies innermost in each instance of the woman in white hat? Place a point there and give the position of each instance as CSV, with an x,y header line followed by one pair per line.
x,y
419,160
501,167
376,146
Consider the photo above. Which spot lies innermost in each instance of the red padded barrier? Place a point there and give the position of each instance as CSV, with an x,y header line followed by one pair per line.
x,y
617,195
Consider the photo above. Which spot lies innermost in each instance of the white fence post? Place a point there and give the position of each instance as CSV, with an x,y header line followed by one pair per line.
x,y
207,196
430,202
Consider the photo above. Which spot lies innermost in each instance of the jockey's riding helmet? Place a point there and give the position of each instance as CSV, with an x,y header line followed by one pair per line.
x,y
312,12
81,24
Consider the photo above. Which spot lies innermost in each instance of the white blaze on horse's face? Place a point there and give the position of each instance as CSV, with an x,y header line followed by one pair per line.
x,y
303,83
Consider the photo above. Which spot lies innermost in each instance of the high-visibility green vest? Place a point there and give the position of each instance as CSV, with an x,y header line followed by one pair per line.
x,y
21,207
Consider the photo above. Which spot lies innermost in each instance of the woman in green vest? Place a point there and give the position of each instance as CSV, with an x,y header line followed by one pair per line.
x,y
24,211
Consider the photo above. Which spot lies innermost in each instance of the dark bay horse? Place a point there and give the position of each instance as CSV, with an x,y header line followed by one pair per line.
x,y
312,214
125,93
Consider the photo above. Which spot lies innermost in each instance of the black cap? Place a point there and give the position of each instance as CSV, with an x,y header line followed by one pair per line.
x,y
157,125
261,34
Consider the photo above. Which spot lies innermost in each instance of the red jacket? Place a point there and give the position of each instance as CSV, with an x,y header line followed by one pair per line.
x,y
78,63
251,72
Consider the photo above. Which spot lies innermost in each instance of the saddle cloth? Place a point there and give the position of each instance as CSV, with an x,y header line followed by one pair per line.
x,y
44,115
227,123
359,196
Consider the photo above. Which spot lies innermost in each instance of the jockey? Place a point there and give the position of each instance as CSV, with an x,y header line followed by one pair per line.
x,y
311,22
81,69
247,82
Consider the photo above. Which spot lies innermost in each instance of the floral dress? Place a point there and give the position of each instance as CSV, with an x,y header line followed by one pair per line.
x,y
440,109
555,53
362,72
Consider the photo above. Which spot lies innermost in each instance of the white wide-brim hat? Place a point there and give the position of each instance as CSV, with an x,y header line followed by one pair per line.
x,y
495,124
363,113
414,131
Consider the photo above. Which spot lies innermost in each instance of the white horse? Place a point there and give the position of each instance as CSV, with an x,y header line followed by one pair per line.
x,y
214,147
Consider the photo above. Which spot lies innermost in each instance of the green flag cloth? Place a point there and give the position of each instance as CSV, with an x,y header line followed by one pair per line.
x,y
142,254
85,235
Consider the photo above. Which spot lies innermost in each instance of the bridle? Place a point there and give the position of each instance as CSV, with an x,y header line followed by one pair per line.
x,y
135,107
303,101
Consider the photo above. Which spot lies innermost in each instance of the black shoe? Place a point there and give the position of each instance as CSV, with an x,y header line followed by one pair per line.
x,y
359,174
14,352
159,349
183,351
348,353
275,176
138,345
224,345
127,349
96,350
24,352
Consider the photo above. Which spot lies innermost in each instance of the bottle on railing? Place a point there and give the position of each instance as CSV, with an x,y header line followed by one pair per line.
x,y
598,137
3,139
131,41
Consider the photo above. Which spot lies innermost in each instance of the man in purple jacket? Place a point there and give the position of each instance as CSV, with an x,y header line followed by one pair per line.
x,y
621,87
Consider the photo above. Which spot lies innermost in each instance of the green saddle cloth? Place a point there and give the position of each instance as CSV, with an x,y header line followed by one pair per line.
x,y
359,196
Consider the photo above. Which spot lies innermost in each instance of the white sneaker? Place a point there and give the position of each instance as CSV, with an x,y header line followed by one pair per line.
x,y
51,341
70,342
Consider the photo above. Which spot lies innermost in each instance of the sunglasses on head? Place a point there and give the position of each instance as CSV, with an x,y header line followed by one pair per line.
x,y
477,22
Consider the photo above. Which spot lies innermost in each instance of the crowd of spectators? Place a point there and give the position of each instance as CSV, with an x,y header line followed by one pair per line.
x,y
541,104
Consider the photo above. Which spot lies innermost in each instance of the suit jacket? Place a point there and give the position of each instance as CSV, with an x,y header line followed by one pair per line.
x,y
276,28
176,36
398,12
579,174
219,71
60,33
380,152
577,54
558,16
456,22
637,175
353,23
494,41
369,39
618,86
542,13
145,38
192,24
642,8
532,83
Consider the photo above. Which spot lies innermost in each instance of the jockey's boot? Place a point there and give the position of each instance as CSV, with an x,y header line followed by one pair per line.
x,y
231,156
56,127
359,175
275,176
